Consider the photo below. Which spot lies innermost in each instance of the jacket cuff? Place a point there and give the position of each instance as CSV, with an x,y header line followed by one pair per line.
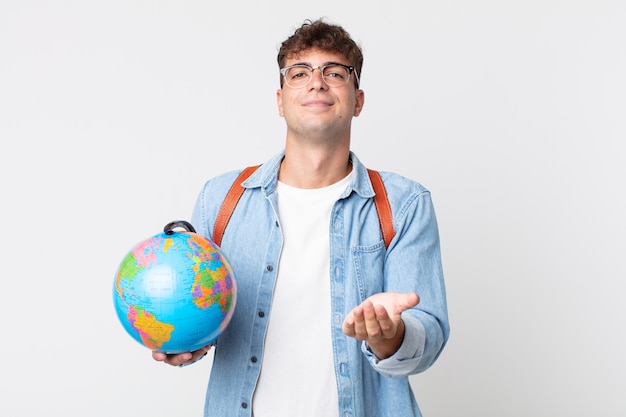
x,y
407,357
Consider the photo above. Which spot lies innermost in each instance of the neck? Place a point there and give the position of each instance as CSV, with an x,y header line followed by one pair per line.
x,y
314,169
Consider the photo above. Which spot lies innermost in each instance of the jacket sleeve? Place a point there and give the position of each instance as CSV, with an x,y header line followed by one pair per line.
x,y
413,264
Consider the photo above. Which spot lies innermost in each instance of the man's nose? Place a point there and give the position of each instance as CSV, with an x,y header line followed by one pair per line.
x,y
317,80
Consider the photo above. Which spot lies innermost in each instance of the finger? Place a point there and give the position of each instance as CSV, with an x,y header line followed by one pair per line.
x,y
348,325
201,352
402,303
348,328
410,300
373,329
360,325
385,322
178,359
349,320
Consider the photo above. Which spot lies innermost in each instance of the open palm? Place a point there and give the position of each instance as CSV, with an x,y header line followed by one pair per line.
x,y
377,321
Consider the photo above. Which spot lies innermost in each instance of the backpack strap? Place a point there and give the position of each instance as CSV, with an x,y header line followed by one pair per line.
x,y
228,206
383,208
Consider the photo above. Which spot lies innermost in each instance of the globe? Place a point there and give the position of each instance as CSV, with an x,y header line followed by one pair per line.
x,y
175,291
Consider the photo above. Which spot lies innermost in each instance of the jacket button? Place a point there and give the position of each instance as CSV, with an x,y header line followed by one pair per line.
x,y
261,313
253,359
269,268
244,405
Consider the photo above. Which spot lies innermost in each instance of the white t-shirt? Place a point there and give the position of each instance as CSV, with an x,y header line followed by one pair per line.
x,y
297,374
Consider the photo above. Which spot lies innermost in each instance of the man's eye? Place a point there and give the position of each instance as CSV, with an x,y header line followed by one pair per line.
x,y
336,72
295,73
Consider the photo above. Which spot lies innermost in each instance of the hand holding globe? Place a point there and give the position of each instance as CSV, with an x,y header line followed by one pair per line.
x,y
175,293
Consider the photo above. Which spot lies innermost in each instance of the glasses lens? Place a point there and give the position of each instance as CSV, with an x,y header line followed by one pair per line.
x,y
298,76
336,75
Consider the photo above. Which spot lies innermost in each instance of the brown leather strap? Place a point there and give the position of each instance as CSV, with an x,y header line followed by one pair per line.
x,y
228,206
383,208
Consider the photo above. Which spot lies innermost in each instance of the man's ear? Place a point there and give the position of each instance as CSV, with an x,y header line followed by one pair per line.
x,y
359,102
279,102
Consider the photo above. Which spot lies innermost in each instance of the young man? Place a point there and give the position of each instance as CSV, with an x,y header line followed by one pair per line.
x,y
329,321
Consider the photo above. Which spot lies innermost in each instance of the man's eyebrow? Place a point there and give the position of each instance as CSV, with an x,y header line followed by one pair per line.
x,y
324,64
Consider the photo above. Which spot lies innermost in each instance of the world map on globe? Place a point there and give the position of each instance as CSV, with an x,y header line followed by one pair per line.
x,y
174,292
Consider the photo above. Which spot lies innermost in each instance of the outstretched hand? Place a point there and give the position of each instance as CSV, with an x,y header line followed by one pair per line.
x,y
185,358
377,321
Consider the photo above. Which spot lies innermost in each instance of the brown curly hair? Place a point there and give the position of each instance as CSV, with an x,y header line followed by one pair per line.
x,y
325,37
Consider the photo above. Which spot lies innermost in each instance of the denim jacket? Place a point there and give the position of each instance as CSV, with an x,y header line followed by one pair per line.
x,y
360,266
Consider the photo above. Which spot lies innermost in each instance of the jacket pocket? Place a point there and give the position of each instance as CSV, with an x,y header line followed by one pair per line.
x,y
369,264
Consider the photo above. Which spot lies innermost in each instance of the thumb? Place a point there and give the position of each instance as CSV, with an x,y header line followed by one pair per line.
x,y
409,300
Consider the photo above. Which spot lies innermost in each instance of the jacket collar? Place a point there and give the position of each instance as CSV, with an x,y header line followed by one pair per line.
x,y
266,177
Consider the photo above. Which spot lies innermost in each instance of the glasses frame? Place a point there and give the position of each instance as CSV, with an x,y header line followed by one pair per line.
x,y
350,68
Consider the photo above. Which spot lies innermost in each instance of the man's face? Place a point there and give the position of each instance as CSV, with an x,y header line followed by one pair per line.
x,y
318,108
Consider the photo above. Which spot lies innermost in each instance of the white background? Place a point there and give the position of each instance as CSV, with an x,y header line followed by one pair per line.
x,y
513,113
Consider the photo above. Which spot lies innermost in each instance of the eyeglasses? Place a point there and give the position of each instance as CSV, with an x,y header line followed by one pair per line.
x,y
334,75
